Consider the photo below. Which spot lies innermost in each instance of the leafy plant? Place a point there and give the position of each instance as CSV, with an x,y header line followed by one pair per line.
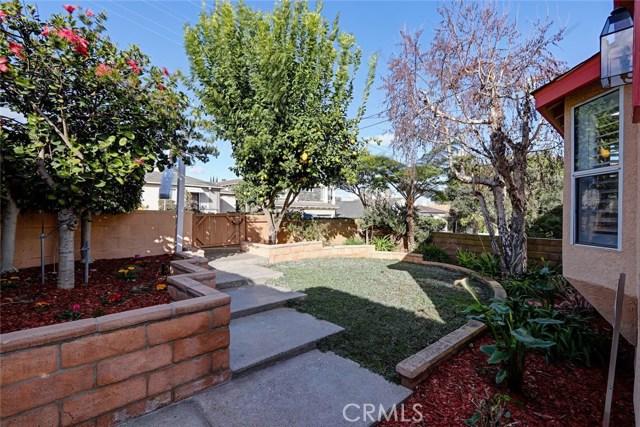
x,y
303,229
384,243
491,411
129,272
433,253
486,263
70,314
354,240
466,259
510,324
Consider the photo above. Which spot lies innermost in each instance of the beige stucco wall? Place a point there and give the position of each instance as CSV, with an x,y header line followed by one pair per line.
x,y
112,236
594,271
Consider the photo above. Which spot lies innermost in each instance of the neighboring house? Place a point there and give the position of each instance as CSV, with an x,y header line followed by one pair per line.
x,y
201,196
319,202
350,208
435,211
596,107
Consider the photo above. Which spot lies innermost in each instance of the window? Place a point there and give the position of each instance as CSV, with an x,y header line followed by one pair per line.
x,y
597,163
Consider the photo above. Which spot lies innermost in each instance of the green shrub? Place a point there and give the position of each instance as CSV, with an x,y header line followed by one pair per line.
x,y
303,229
384,243
354,240
510,321
491,411
432,253
487,264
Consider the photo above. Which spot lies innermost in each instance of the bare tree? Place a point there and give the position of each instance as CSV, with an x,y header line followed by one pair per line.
x,y
474,83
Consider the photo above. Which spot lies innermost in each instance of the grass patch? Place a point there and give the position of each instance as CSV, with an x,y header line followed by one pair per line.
x,y
389,309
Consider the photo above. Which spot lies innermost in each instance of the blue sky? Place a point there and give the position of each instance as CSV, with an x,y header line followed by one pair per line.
x,y
156,26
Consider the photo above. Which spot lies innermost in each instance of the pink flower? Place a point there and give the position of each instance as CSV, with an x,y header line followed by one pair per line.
x,y
75,307
3,66
79,44
89,13
140,162
3,15
102,70
16,49
165,71
161,86
134,66
46,31
69,8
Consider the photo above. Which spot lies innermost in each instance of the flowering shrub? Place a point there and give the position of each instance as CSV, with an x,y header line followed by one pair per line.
x,y
129,272
41,306
72,314
112,299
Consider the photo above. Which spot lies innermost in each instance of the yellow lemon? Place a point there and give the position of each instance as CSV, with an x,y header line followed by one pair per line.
x,y
604,152
304,157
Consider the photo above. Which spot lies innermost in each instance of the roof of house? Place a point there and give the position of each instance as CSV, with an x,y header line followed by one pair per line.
x,y
350,208
308,205
155,177
228,182
433,209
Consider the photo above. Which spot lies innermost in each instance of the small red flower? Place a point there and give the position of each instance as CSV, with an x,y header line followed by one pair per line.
x,y
16,49
134,66
79,44
161,86
3,66
102,70
69,8
89,13
114,298
3,15
140,162
46,31
81,48
75,307
165,71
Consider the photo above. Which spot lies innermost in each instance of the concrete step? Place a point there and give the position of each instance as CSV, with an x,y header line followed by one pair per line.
x,y
309,390
231,276
262,339
248,300
221,259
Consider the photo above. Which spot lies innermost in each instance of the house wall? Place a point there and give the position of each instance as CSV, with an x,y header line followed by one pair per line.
x,y
150,197
227,203
594,271
112,236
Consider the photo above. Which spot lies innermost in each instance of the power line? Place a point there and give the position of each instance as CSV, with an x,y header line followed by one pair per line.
x,y
375,124
166,9
150,20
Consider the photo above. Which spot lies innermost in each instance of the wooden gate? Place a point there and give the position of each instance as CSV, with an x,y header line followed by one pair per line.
x,y
210,230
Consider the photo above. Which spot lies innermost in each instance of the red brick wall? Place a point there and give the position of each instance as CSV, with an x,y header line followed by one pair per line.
x,y
102,371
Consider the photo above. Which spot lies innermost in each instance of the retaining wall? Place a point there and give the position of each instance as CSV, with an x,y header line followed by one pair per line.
x,y
102,371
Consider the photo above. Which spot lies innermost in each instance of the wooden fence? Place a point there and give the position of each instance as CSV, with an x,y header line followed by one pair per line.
x,y
537,248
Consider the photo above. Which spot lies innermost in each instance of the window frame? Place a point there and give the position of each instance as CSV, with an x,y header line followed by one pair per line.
x,y
619,169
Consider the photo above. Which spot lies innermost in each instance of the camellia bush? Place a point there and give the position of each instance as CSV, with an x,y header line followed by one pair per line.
x,y
97,117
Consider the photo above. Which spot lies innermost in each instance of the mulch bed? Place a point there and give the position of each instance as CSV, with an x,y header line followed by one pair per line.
x,y
25,303
556,395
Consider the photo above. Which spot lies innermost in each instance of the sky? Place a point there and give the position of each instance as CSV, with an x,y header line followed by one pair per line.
x,y
156,26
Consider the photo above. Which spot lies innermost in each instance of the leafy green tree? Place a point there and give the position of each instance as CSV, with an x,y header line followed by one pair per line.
x,y
370,184
278,86
98,117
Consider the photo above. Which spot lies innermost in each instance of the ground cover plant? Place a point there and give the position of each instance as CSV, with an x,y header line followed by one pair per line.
x,y
25,303
389,309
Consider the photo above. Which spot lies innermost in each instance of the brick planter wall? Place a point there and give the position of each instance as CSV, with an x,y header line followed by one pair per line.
x,y
101,371
306,250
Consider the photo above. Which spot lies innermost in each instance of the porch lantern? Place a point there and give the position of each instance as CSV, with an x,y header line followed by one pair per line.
x,y
616,49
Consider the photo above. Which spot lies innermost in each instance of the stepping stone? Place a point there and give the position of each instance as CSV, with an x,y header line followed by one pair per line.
x,y
309,390
234,275
248,300
262,339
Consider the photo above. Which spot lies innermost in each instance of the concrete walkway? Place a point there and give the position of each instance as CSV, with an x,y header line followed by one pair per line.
x,y
278,378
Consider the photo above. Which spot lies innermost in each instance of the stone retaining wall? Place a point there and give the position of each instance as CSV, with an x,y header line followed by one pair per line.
x,y
101,371
306,250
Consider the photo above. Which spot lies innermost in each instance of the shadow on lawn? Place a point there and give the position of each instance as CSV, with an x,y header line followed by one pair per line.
x,y
379,336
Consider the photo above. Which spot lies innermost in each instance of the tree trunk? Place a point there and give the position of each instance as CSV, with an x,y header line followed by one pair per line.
x,y
411,229
9,222
67,224
274,221
85,233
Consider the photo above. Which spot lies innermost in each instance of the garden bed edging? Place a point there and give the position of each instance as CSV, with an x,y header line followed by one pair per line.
x,y
104,370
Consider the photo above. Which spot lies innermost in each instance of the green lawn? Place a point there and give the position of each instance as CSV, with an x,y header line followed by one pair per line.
x,y
389,309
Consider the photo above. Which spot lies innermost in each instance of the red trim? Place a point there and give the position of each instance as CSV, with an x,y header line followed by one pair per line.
x,y
581,75
636,66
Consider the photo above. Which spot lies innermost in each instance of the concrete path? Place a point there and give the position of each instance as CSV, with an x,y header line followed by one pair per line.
x,y
278,378
313,389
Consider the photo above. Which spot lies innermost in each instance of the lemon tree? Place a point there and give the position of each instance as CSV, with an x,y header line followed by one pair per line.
x,y
279,85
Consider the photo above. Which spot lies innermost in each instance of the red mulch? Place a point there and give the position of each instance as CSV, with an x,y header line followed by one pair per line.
x,y
557,395
18,299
